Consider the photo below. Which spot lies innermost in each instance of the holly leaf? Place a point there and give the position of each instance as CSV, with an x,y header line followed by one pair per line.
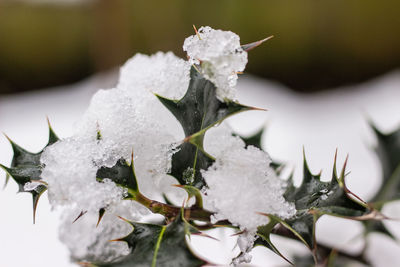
x,y
157,245
254,139
197,112
122,174
26,168
314,198
388,152
264,237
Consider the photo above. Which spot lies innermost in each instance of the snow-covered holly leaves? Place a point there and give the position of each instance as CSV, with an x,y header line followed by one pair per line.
x,y
26,169
197,112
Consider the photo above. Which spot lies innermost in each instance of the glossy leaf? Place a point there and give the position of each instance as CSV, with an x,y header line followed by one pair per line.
x,y
314,198
26,167
123,174
157,245
388,152
197,111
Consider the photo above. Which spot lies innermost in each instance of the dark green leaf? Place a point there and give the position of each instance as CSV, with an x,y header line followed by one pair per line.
x,y
123,174
315,198
187,163
254,139
264,237
197,111
25,167
388,152
156,245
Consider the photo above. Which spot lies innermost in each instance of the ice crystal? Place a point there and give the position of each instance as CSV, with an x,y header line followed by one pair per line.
x,y
221,58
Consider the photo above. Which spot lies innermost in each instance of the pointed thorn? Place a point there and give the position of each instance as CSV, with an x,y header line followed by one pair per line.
x,y
116,240
187,139
342,174
8,138
6,181
205,235
262,213
101,214
335,157
250,46
125,220
354,195
197,33
258,109
238,233
80,215
132,157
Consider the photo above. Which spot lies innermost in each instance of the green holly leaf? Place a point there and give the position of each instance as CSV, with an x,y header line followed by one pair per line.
x,y
264,237
158,245
314,198
197,112
26,168
254,139
122,174
388,152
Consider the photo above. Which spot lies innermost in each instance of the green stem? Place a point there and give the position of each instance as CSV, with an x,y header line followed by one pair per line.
x,y
170,211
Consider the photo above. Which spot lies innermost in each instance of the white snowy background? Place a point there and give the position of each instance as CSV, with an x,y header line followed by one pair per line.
x,y
320,122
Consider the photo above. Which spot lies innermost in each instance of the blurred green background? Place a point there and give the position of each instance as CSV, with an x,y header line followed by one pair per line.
x,y
318,44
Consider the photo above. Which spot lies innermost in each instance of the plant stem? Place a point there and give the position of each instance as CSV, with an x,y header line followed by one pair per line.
x,y
170,211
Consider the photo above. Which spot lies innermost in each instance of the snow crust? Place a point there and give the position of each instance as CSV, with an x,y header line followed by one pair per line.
x,y
221,58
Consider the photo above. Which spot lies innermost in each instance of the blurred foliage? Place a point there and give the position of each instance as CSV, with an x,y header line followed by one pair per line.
x,y
317,44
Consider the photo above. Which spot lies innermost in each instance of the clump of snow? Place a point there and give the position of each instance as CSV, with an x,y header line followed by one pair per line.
x,y
241,184
32,186
161,73
245,173
245,243
128,118
221,58
70,172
